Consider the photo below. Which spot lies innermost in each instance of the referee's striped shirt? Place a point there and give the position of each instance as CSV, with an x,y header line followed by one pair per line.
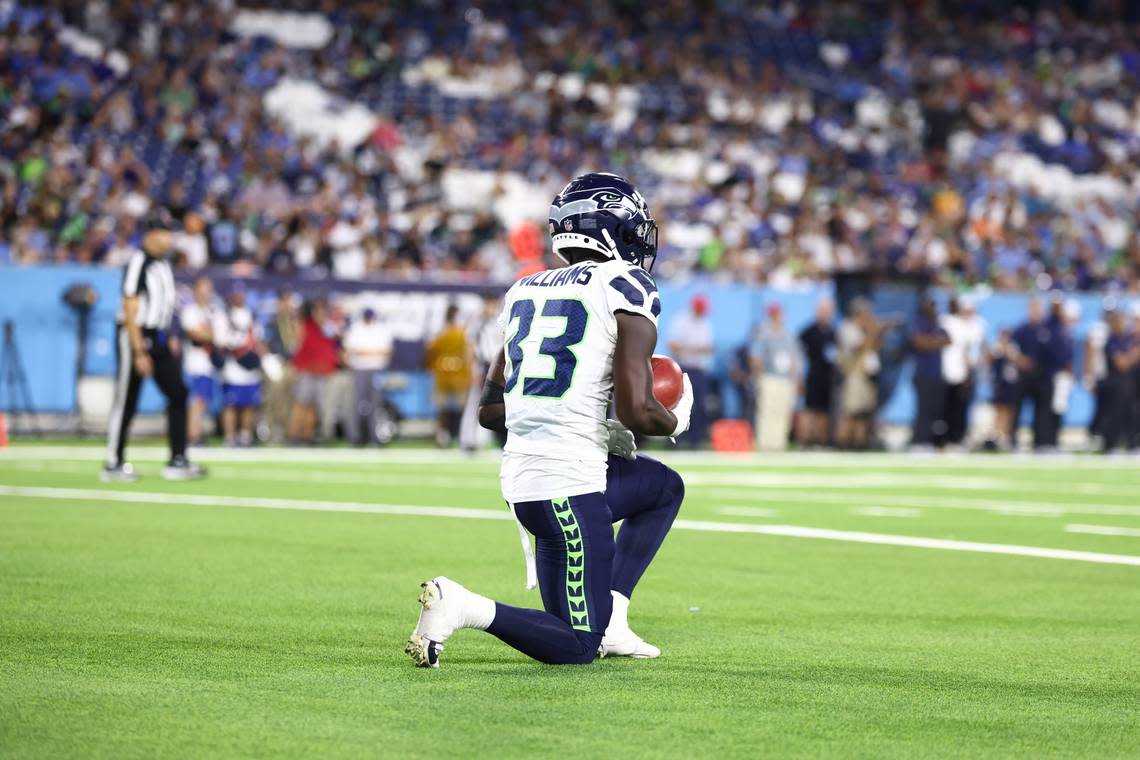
x,y
151,279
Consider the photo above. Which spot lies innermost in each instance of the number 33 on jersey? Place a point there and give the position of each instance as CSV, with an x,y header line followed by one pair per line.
x,y
560,334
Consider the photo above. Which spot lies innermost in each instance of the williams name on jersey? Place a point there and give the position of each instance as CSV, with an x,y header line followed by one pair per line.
x,y
560,333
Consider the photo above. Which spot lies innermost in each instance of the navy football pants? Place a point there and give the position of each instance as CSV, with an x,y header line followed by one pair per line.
x,y
579,561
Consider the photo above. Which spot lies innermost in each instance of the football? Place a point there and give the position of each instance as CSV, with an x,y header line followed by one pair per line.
x,y
667,383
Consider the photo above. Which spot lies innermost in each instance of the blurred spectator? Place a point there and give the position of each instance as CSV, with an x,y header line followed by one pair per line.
x,y
336,406
313,363
488,344
223,237
1067,313
927,341
1035,341
281,338
857,341
1134,331
960,361
1095,366
743,380
368,349
691,344
776,364
1004,380
238,336
1122,358
197,319
449,356
817,341
190,245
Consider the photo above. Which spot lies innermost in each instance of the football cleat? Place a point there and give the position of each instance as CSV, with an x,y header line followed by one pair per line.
x,y
122,473
626,643
441,615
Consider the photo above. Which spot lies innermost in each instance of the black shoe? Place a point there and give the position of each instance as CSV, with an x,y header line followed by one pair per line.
x,y
180,468
120,473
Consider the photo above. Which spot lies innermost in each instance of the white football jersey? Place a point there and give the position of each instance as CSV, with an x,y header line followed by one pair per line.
x,y
560,333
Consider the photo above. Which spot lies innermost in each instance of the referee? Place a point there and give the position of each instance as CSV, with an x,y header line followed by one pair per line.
x,y
144,349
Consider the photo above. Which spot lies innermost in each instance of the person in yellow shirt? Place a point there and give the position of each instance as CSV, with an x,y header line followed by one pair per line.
x,y
449,357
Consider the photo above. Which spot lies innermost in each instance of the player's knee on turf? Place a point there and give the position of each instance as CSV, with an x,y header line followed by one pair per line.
x,y
589,652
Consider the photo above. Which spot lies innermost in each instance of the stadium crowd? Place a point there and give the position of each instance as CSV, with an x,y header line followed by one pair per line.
x,y
778,142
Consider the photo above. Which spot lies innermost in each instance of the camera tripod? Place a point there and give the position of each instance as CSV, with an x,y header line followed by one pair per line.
x,y
14,381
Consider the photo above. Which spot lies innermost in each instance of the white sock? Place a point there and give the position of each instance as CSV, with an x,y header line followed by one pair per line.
x,y
619,618
478,611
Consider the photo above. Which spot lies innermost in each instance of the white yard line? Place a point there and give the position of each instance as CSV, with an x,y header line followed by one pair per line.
x,y
1102,530
794,531
797,531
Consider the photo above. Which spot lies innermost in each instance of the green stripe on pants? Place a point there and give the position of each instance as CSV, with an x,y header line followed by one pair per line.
x,y
575,564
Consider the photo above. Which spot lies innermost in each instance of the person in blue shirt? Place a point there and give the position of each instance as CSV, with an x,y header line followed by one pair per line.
x,y
1035,381
1003,382
1122,359
927,339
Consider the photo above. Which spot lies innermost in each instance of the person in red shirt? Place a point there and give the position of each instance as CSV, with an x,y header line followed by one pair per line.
x,y
316,359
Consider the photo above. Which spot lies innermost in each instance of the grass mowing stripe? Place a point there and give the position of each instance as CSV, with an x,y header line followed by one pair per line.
x,y
1103,530
253,502
464,483
886,511
794,531
997,506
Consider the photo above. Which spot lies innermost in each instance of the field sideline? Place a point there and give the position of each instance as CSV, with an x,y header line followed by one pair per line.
x,y
828,604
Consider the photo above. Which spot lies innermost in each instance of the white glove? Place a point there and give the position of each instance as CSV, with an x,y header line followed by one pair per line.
x,y
619,440
684,407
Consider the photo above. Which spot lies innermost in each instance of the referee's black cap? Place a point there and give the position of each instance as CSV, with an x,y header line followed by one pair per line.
x,y
158,218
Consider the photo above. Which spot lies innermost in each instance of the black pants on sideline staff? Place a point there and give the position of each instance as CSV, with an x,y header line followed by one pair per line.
x,y
1119,420
959,396
930,402
167,375
1037,388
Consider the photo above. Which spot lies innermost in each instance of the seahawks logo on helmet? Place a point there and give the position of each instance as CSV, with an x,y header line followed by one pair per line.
x,y
604,214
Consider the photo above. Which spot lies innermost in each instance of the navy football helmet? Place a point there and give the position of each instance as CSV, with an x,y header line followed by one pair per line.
x,y
605,214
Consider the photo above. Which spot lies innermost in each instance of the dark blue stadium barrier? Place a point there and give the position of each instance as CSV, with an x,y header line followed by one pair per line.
x,y
46,329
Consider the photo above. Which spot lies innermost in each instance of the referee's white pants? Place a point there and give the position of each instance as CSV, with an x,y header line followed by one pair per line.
x,y
776,399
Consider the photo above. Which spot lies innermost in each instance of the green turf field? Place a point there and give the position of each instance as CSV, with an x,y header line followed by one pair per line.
x,y
263,612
